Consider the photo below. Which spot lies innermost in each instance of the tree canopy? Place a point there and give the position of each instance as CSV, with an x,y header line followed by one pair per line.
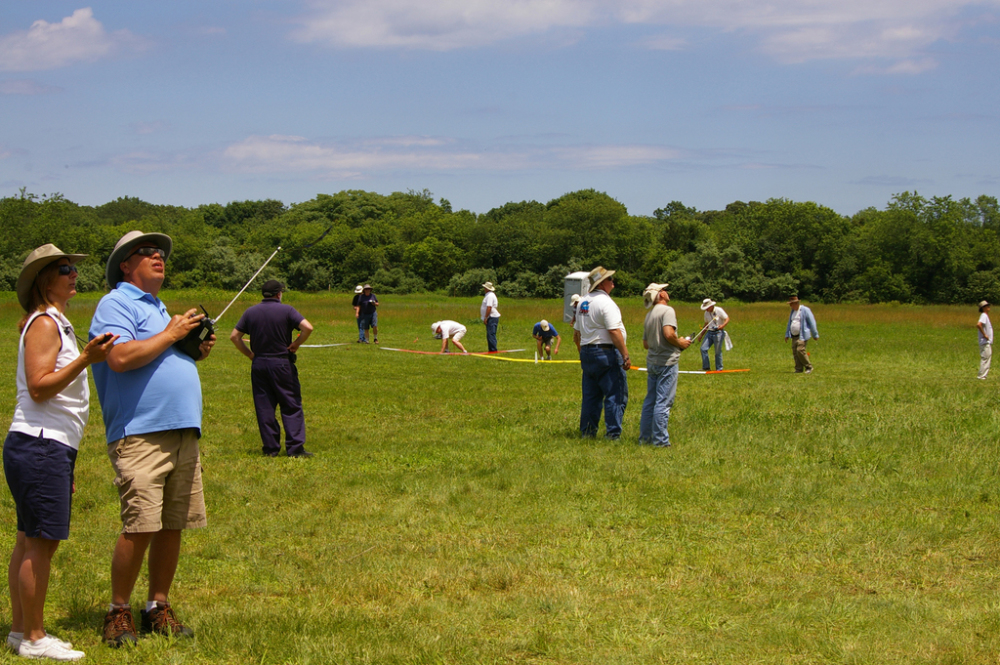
x,y
919,250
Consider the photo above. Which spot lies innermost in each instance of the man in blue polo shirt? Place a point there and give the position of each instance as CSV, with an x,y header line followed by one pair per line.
x,y
273,376
544,332
150,397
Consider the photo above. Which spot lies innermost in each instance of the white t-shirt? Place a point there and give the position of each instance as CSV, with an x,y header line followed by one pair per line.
x,y
62,417
987,327
796,327
451,328
715,317
595,316
489,300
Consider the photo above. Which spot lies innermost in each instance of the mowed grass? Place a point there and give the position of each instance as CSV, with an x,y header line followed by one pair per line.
x,y
453,515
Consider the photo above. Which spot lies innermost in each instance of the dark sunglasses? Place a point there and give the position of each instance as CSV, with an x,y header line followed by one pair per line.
x,y
67,270
149,251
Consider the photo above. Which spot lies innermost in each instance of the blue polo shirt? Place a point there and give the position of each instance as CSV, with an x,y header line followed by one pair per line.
x,y
163,395
546,336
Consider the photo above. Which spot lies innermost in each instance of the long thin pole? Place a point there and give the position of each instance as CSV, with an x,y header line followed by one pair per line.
x,y
247,284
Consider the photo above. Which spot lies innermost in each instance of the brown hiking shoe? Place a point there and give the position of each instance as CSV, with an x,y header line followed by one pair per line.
x,y
161,620
119,627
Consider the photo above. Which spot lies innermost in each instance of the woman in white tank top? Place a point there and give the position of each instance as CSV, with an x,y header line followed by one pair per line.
x,y
39,453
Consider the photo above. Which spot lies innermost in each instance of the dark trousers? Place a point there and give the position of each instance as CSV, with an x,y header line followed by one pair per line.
x,y
275,383
491,332
605,385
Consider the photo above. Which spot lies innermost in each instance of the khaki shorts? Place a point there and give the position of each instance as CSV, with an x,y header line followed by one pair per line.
x,y
158,476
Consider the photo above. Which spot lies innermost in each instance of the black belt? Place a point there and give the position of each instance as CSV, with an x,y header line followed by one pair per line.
x,y
599,346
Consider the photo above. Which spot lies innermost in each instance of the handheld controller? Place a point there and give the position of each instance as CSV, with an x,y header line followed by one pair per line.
x,y
191,344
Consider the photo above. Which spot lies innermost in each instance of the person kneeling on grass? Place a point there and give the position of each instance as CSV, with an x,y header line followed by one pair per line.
x,y
544,333
449,330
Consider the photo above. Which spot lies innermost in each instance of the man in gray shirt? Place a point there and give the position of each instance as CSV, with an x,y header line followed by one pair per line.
x,y
660,339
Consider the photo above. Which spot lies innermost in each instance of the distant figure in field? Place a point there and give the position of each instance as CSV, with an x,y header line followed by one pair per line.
x,y
716,321
985,329
600,335
659,337
357,312
367,313
544,332
274,378
490,315
449,330
801,327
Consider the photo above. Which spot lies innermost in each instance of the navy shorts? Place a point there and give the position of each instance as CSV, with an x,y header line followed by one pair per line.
x,y
39,473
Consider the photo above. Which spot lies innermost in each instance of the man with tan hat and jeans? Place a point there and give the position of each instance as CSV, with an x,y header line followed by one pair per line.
x,y
490,315
150,397
985,329
659,338
600,335
716,321
801,327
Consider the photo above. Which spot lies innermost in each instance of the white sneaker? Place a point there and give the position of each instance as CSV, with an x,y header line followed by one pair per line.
x,y
48,647
14,641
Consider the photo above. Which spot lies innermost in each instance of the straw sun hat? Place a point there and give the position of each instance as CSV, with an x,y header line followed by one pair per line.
x,y
36,261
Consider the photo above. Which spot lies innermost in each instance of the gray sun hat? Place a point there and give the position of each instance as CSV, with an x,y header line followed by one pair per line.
x,y
33,264
113,272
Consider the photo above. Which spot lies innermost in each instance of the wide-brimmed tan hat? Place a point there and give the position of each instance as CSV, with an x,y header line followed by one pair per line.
x,y
598,275
650,292
983,304
489,286
37,260
706,303
366,286
113,272
358,288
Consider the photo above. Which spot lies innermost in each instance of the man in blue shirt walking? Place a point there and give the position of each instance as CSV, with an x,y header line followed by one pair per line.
x,y
801,327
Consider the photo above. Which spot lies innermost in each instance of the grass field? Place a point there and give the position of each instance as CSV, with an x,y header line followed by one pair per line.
x,y
453,515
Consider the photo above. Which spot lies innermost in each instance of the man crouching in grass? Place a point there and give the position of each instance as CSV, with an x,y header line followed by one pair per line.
x,y
151,400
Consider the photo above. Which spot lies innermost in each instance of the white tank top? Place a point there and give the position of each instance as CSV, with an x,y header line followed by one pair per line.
x,y
60,418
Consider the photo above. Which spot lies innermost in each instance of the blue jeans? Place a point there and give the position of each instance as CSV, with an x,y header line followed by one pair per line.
x,y
491,332
716,337
661,388
361,331
604,385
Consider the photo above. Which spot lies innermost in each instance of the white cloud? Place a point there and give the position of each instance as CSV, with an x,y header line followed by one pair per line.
x,y
77,38
277,154
26,87
788,30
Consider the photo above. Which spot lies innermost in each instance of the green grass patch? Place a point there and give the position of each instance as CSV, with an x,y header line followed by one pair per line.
x,y
453,515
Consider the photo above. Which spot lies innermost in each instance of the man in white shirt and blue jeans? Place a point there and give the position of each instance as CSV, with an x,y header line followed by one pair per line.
x,y
985,329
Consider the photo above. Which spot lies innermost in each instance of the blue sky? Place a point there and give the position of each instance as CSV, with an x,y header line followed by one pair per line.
x,y
482,102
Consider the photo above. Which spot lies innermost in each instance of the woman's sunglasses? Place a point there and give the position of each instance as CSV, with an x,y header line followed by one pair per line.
x,y
67,270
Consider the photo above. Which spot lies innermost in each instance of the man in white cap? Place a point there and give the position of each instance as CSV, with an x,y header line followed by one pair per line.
x,y
801,328
716,321
490,315
544,332
449,330
659,338
358,290
600,335
985,329
150,397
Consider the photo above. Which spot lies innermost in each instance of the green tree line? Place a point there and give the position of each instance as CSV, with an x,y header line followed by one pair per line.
x,y
916,250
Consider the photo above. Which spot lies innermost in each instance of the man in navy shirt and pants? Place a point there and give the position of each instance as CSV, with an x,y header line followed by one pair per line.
x,y
273,376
